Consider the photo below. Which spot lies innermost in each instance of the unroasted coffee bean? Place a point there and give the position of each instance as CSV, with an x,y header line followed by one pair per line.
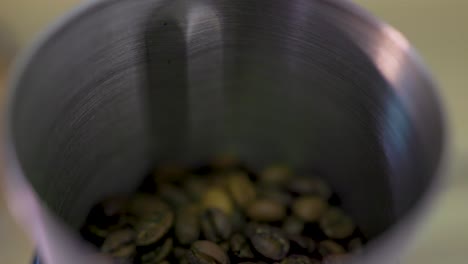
x,y
154,227
309,208
299,259
217,197
173,195
329,247
241,188
120,243
159,254
215,224
264,210
336,224
240,246
268,241
127,252
293,225
187,224
310,186
276,174
203,251
275,193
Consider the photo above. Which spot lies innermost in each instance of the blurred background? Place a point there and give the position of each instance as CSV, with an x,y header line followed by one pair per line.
x,y
437,28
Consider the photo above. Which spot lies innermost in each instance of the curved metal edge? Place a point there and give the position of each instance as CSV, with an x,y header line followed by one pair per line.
x,y
20,66
372,21
14,174
26,55
409,222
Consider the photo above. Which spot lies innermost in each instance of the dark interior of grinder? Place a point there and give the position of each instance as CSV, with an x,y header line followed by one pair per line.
x,y
224,212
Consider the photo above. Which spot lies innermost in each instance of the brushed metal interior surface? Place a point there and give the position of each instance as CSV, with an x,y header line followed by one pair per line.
x,y
321,85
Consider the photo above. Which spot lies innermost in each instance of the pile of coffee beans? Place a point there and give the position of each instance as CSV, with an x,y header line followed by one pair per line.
x,y
225,213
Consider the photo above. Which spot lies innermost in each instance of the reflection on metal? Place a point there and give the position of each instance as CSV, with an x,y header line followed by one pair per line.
x,y
391,53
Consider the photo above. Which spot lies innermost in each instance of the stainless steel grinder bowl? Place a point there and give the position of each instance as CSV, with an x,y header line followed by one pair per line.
x,y
118,86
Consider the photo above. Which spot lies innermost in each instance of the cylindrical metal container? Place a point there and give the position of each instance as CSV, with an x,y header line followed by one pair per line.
x,y
119,86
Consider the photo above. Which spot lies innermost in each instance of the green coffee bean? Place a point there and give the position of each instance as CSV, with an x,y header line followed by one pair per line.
x,y
264,210
159,254
203,251
310,186
309,208
276,174
241,188
268,241
274,193
154,227
187,224
217,197
120,243
215,224
336,224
